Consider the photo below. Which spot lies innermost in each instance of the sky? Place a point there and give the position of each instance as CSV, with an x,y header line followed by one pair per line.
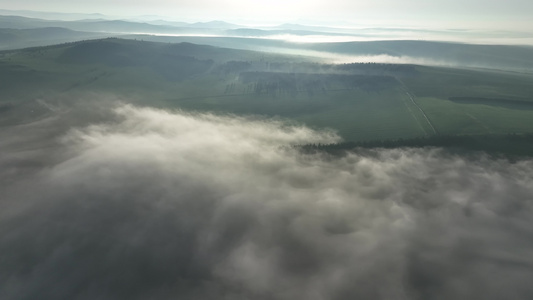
x,y
421,13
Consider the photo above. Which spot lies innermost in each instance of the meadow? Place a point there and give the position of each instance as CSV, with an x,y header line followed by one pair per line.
x,y
362,102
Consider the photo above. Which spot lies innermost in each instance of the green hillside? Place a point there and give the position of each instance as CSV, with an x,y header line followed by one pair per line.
x,y
360,101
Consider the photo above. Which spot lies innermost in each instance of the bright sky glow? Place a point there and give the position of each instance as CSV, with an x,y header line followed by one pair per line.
x,y
509,14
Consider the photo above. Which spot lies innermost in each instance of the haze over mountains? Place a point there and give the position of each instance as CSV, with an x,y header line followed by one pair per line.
x,y
331,44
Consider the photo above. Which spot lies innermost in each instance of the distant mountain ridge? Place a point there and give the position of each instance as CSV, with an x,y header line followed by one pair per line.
x,y
18,32
53,15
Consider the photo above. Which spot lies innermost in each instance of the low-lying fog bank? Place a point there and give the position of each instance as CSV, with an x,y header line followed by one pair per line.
x,y
149,204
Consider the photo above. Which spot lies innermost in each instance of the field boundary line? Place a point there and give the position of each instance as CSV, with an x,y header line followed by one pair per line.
x,y
416,104
422,111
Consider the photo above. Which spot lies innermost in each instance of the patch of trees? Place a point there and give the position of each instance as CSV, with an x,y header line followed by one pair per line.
x,y
348,68
274,83
277,83
117,53
178,67
378,69
189,49
233,67
507,103
106,52
511,146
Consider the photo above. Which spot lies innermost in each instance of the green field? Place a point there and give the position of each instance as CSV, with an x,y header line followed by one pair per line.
x,y
362,102
355,114
465,102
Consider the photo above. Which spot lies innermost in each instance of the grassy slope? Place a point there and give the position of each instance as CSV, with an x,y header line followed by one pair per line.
x,y
188,76
435,91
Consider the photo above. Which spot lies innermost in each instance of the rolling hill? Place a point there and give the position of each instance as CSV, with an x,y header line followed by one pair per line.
x,y
361,101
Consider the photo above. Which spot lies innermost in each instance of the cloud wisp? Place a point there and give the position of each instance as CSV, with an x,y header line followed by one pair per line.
x,y
149,204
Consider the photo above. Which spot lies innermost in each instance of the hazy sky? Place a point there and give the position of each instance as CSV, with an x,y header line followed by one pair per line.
x,y
451,13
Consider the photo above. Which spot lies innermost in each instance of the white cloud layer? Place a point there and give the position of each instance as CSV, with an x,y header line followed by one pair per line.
x,y
149,204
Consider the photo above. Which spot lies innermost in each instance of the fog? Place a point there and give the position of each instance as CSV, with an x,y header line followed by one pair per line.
x,y
387,51
368,35
339,35
138,203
